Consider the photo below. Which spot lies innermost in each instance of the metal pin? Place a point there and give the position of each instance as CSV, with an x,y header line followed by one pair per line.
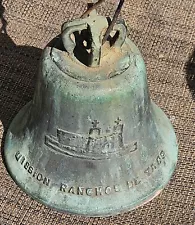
x,y
110,28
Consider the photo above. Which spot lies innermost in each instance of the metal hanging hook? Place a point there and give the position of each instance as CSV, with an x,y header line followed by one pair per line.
x,y
117,12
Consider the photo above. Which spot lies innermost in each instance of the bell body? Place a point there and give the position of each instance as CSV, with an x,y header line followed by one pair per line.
x,y
91,141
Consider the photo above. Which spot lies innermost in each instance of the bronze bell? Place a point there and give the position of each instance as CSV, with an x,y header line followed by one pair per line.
x,y
91,141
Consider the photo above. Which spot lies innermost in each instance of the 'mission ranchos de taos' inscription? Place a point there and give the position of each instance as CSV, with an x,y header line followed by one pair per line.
x,y
91,191
97,144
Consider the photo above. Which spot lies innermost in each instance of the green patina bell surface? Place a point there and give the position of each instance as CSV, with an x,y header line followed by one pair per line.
x,y
91,141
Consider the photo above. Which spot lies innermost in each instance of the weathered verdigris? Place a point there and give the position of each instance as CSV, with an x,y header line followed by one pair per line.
x,y
91,141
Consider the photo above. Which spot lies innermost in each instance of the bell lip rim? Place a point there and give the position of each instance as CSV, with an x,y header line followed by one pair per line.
x,y
116,212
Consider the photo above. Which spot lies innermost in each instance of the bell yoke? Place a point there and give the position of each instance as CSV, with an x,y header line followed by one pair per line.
x,y
91,141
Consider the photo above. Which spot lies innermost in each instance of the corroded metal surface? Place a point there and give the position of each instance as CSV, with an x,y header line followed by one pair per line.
x,y
91,141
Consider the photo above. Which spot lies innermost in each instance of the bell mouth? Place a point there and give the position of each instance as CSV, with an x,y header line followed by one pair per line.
x,y
58,191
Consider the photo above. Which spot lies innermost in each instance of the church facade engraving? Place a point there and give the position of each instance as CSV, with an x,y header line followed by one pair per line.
x,y
96,145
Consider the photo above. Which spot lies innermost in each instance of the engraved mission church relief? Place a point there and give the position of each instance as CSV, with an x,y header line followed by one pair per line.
x,y
98,144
